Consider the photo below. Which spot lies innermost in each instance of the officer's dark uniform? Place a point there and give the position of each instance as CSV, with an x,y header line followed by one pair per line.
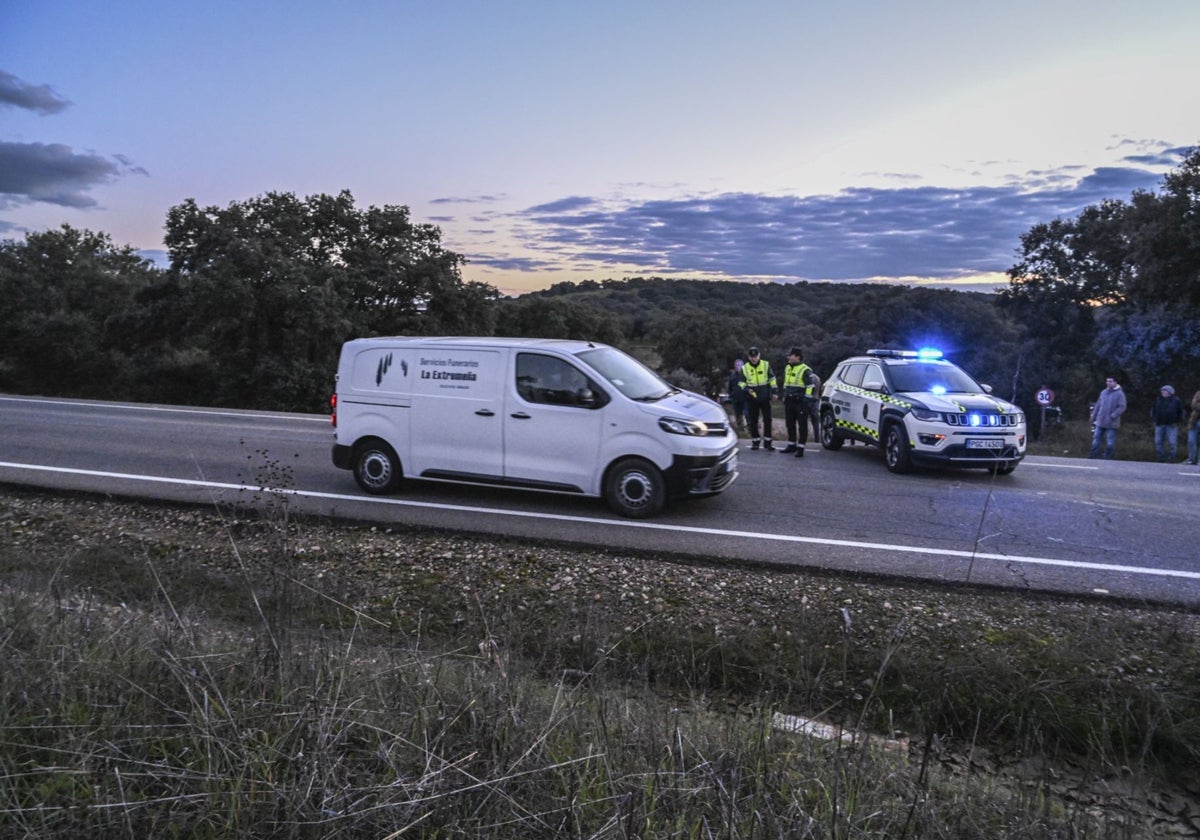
x,y
758,383
797,391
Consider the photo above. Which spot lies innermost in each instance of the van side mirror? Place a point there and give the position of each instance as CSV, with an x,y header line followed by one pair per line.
x,y
585,397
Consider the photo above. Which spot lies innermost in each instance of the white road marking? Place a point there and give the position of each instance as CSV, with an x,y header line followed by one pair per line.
x,y
1028,463
627,523
162,409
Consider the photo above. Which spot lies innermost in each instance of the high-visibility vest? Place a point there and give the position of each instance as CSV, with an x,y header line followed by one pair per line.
x,y
796,380
759,377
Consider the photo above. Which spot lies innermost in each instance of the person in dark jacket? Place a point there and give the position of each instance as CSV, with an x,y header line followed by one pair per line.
x,y
1167,414
737,397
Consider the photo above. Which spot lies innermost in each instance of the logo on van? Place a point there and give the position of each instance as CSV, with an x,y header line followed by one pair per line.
x,y
384,364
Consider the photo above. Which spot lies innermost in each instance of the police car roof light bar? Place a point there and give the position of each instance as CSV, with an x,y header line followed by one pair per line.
x,y
925,354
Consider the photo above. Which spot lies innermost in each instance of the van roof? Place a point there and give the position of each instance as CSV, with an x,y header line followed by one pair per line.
x,y
564,344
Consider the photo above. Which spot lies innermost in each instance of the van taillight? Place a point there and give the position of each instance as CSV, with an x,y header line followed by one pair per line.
x,y
333,410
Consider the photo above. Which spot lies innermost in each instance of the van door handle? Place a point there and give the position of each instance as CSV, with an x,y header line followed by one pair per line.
x,y
486,412
521,415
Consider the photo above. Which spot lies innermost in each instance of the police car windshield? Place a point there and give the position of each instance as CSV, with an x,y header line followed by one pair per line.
x,y
627,374
944,378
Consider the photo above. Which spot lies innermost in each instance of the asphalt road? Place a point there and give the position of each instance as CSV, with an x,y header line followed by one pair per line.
x,y
1125,529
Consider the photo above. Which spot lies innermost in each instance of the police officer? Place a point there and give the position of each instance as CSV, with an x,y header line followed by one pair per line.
x,y
798,384
758,384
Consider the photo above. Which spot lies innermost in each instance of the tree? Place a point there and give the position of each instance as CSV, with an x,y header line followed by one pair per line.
x,y
555,317
64,292
703,345
1115,289
271,287
1165,240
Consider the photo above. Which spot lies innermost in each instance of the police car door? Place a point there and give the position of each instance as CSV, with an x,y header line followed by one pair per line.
x,y
552,424
870,405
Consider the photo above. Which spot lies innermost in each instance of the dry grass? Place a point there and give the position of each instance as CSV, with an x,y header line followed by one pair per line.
x,y
176,672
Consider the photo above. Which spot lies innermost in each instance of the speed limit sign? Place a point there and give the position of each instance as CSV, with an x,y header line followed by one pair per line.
x,y
1045,396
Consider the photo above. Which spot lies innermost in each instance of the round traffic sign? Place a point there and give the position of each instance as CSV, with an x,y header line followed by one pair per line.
x,y
1045,396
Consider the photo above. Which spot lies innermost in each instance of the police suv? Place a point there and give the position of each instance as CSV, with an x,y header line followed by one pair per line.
x,y
920,409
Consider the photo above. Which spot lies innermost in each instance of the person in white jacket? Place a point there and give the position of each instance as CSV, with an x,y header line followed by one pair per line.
x,y
1106,419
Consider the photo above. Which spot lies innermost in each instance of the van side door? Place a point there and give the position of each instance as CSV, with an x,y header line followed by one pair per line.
x,y
553,423
457,422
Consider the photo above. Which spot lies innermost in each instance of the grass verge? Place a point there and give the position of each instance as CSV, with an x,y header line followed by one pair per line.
x,y
176,672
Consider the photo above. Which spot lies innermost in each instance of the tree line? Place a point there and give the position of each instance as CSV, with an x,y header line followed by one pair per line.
x,y
258,296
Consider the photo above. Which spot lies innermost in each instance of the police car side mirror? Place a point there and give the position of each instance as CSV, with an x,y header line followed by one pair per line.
x,y
987,389
585,397
875,385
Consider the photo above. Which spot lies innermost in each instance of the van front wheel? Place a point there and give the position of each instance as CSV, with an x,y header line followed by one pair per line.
x,y
376,468
635,488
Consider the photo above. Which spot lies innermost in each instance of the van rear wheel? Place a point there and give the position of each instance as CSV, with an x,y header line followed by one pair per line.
x,y
635,488
376,468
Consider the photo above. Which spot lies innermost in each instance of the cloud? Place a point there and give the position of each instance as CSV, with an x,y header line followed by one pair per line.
x,y
53,173
20,94
857,233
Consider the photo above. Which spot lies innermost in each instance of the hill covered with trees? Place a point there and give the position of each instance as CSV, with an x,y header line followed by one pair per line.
x,y
259,296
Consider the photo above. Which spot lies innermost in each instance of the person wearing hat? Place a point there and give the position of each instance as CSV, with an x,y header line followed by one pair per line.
x,y
758,383
797,391
1167,414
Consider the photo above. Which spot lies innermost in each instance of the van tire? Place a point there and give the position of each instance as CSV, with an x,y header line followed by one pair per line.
x,y
635,488
376,467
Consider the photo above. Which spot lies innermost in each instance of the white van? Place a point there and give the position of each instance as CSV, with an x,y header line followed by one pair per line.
x,y
538,414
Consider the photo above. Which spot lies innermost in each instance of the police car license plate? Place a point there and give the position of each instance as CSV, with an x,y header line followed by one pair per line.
x,y
984,443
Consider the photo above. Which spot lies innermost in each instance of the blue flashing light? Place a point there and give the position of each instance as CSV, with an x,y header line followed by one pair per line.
x,y
976,420
940,390
929,353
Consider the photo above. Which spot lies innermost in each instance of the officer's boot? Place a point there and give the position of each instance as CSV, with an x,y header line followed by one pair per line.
x,y
754,443
791,447
800,451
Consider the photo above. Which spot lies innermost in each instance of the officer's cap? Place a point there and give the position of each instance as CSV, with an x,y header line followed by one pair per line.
x,y
796,351
753,351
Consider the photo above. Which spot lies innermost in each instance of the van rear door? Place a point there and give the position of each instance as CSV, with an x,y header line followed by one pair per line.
x,y
457,421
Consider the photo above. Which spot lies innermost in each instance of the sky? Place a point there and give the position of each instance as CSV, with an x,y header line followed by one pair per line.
x,y
904,142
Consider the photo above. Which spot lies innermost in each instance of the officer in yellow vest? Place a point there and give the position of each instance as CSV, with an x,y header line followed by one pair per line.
x,y
799,382
758,383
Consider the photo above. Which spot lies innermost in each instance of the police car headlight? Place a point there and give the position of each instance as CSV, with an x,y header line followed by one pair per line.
x,y
926,414
682,427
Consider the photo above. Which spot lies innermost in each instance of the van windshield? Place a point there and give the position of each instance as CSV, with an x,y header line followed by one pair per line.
x,y
627,374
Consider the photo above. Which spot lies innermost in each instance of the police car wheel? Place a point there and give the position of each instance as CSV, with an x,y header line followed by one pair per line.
x,y
830,439
376,468
635,488
895,448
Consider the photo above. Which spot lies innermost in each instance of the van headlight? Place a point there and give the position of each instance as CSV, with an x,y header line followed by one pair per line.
x,y
927,415
682,427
